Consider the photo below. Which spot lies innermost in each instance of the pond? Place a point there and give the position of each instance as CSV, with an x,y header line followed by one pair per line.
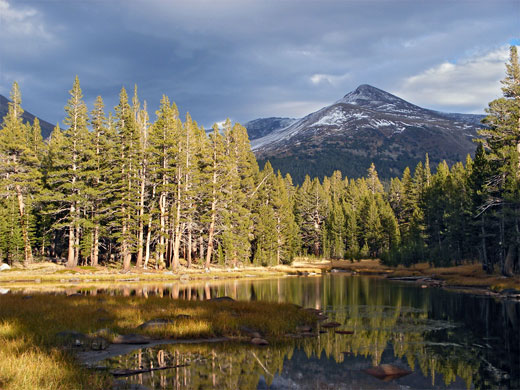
x,y
446,339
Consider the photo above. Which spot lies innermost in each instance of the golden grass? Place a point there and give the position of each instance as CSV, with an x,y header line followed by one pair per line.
x,y
50,273
24,365
29,353
466,275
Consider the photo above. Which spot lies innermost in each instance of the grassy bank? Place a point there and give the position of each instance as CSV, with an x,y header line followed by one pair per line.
x,y
465,276
47,272
41,275
34,356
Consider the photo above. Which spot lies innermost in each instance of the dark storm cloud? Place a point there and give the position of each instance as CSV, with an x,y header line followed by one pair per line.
x,y
246,59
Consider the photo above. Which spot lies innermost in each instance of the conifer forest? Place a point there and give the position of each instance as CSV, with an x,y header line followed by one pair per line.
x,y
158,191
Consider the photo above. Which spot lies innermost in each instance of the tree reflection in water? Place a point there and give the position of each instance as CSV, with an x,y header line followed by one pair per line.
x,y
447,339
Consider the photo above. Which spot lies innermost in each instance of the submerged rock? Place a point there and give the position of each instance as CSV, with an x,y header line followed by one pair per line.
x,y
387,372
259,341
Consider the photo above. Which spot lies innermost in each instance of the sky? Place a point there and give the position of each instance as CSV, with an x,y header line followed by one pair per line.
x,y
246,59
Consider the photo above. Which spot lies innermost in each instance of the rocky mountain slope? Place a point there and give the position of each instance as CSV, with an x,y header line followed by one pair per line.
x,y
367,125
259,128
27,117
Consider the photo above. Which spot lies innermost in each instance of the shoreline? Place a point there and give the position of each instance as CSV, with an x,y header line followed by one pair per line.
x,y
468,278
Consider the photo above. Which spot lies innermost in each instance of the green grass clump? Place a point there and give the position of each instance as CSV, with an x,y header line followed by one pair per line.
x,y
30,353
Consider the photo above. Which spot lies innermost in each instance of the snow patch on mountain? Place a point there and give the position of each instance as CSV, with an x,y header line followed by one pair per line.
x,y
365,108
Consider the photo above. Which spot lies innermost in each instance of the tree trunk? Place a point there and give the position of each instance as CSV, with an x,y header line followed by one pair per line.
x,y
211,230
95,247
201,248
125,251
140,239
178,232
510,260
76,243
485,263
148,242
127,256
71,255
26,242
502,244
189,245
278,240
162,236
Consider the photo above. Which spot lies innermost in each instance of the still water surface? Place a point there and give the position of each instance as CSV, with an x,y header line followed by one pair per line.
x,y
447,339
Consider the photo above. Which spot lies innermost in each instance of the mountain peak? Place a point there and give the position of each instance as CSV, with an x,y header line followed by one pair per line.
x,y
368,94
374,98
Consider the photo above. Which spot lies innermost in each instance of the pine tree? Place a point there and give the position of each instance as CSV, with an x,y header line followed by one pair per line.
x,y
217,174
96,172
502,139
265,221
20,175
192,141
286,227
164,163
310,213
243,168
141,120
374,185
389,227
370,225
126,180
477,181
66,154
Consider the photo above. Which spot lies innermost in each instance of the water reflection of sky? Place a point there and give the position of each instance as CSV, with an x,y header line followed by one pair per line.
x,y
448,340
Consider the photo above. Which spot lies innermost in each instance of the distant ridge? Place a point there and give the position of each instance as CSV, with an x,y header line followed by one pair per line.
x,y
366,125
27,117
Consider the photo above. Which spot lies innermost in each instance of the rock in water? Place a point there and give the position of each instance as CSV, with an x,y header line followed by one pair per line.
x,y
155,323
98,344
131,339
71,338
387,372
259,341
